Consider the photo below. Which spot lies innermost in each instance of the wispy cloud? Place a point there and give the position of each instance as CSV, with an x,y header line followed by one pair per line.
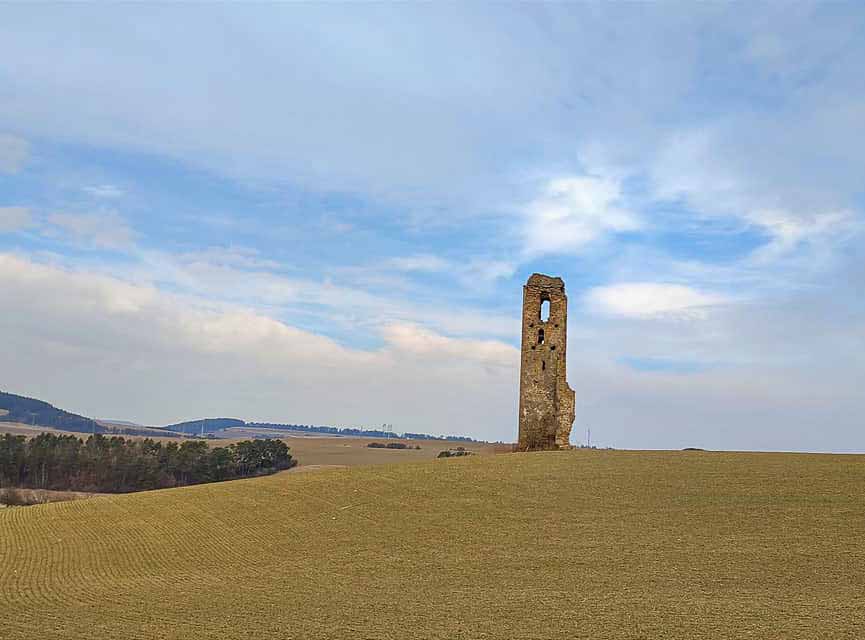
x,y
14,219
14,153
107,230
422,341
651,300
710,173
99,325
421,262
386,219
106,191
572,212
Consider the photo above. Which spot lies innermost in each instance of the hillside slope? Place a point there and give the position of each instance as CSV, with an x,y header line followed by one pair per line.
x,y
551,545
23,415
31,411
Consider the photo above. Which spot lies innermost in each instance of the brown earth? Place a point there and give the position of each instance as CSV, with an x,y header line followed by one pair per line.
x,y
617,545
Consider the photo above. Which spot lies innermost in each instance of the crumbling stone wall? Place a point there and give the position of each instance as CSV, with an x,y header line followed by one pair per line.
x,y
546,400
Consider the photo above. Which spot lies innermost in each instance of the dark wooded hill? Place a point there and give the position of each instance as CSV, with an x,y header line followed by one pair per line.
x,y
36,412
30,411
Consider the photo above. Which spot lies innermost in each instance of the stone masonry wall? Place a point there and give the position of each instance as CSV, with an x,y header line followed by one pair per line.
x,y
546,400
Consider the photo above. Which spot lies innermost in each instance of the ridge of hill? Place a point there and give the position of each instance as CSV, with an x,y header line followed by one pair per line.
x,y
214,425
592,544
205,425
30,412
119,423
37,412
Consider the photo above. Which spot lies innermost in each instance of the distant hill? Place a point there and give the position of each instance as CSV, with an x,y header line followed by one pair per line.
x,y
30,411
122,423
353,432
205,425
36,412
212,425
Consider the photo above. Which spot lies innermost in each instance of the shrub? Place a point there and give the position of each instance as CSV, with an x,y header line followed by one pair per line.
x,y
12,497
455,453
391,445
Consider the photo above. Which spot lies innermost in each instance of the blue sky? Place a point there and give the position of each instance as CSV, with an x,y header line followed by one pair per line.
x,y
325,214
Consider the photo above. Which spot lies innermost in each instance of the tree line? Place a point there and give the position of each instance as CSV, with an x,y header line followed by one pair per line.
x,y
118,465
351,431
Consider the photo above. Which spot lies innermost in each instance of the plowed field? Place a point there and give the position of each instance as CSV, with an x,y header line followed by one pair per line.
x,y
550,545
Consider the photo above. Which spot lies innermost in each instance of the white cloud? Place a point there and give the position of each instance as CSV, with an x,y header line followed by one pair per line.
x,y
773,142
651,299
573,211
107,230
105,191
763,375
482,275
421,262
234,256
138,352
153,357
352,112
423,342
473,274
334,224
713,171
14,219
14,153
790,232
241,278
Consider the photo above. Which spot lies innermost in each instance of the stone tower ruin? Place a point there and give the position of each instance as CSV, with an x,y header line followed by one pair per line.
x,y
546,400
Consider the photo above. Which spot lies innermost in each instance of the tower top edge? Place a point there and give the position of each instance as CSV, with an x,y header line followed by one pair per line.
x,y
542,281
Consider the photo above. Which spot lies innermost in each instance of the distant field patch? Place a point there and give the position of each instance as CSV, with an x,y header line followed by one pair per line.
x,y
308,449
356,451
581,544
19,429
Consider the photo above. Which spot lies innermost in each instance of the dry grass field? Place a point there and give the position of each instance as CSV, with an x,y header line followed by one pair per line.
x,y
21,429
354,451
309,450
584,544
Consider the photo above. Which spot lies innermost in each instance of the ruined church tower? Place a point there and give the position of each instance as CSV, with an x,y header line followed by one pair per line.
x,y
546,400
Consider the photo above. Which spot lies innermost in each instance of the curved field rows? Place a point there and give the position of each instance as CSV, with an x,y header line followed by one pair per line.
x,y
555,545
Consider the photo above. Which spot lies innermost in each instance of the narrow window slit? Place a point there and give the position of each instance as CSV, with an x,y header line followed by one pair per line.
x,y
545,310
540,336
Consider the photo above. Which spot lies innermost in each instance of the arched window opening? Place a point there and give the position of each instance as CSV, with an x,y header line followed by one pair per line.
x,y
540,336
545,310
